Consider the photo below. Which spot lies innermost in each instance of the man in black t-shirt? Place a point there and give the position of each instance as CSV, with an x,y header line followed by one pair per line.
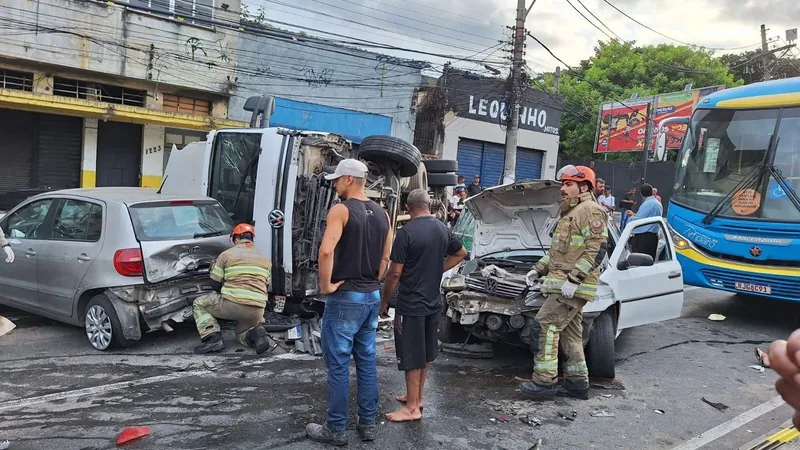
x,y
475,188
627,204
422,251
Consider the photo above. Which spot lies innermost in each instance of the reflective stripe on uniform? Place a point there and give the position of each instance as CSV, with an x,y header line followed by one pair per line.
x,y
548,344
578,368
587,232
553,285
217,273
577,241
243,294
546,365
584,266
246,270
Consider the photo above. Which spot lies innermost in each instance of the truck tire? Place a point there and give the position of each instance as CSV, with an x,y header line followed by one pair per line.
x,y
442,179
441,165
600,353
401,155
102,325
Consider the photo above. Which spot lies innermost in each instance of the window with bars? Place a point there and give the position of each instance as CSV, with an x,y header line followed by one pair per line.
x,y
186,105
18,81
66,87
198,9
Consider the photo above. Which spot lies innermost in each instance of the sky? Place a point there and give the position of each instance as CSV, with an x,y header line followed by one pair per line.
x,y
476,28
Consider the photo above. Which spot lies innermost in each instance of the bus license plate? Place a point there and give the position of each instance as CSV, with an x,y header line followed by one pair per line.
x,y
757,288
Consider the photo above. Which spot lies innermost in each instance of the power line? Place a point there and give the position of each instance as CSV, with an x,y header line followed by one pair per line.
x,y
590,22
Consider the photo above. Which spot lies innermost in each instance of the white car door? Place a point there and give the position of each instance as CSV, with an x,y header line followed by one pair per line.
x,y
647,293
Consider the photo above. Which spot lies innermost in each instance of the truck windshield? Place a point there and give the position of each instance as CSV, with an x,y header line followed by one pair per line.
x,y
234,164
726,146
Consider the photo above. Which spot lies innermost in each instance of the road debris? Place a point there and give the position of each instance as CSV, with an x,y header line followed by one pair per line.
x,y
6,326
524,410
242,375
132,433
602,414
503,419
4,445
757,367
570,417
716,317
210,365
537,445
717,406
530,420
659,411
477,351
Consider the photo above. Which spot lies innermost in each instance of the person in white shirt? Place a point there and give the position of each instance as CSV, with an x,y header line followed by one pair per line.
x,y
456,204
607,201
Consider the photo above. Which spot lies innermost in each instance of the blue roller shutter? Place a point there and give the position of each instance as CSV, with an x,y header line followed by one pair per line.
x,y
487,160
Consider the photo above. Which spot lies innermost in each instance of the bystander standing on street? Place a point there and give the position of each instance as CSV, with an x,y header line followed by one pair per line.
x,y
352,259
456,205
655,194
460,184
475,188
645,238
423,250
600,188
627,203
607,201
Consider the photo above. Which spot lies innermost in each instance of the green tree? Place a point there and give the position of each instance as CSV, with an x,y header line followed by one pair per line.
x,y
618,70
747,66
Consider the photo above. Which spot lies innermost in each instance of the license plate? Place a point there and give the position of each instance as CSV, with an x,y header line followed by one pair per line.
x,y
757,288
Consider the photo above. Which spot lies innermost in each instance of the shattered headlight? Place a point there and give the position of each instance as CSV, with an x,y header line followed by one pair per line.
x,y
455,283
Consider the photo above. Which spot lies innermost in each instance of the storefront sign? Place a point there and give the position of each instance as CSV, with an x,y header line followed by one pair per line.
x,y
486,100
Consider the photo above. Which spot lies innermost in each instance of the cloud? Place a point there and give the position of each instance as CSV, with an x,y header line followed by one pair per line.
x,y
469,27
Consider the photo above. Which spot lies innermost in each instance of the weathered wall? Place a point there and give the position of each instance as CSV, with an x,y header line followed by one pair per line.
x,y
314,72
114,40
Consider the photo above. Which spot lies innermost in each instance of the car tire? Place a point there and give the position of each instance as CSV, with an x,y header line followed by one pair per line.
x,y
401,155
441,165
442,179
600,352
449,331
102,326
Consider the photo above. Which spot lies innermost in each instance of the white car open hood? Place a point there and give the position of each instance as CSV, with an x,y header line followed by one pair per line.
x,y
510,217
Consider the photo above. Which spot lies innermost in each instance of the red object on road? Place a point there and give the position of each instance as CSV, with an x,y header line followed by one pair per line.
x,y
131,434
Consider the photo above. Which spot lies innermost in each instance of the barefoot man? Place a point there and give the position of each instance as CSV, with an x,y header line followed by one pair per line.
x,y
423,250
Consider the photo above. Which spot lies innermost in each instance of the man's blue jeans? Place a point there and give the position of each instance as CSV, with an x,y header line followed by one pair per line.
x,y
349,326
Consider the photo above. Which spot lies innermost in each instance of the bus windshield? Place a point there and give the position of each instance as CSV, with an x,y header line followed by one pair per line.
x,y
723,147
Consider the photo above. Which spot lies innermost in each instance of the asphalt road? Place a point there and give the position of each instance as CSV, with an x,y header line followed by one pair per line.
x,y
58,393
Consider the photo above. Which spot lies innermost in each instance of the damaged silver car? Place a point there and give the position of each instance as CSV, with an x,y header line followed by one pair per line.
x,y
510,228
118,261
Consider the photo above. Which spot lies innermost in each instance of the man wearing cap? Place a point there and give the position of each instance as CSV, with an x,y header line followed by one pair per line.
x,y
571,270
353,258
475,188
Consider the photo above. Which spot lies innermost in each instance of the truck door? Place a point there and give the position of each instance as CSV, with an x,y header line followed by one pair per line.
x,y
187,169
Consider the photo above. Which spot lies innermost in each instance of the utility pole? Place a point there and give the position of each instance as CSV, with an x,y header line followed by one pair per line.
x,y
647,136
557,80
512,132
765,54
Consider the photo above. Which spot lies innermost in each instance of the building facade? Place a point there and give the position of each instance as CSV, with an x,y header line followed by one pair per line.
x,y
464,117
95,93
319,85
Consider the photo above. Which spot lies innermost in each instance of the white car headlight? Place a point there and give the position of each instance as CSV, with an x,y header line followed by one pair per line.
x,y
454,283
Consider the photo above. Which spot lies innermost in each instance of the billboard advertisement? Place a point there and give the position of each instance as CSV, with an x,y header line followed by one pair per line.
x,y
622,126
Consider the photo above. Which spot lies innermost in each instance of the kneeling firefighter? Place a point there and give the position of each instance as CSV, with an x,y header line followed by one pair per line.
x,y
243,274
571,269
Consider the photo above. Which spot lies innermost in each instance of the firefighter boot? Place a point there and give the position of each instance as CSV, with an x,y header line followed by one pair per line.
x,y
575,389
537,390
258,339
211,343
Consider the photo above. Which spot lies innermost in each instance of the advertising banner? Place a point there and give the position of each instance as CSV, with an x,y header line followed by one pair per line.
x,y
622,125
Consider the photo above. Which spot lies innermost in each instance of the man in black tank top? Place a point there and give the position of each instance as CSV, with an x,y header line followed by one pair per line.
x,y
352,259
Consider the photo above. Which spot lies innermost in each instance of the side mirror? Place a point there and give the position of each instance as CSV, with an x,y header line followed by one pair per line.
x,y
635,260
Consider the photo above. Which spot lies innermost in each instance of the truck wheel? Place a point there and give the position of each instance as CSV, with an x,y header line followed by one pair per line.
x,y
441,165
102,325
442,179
396,152
449,331
600,352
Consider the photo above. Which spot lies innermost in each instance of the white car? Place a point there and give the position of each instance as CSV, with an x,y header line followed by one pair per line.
x,y
507,229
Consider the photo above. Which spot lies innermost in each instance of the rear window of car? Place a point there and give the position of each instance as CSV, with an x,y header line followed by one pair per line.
x,y
179,220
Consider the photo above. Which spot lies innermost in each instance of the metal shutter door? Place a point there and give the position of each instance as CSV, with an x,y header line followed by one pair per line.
x,y
59,151
470,158
494,157
529,164
16,149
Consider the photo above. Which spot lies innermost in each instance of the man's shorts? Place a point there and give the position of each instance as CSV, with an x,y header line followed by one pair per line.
x,y
416,340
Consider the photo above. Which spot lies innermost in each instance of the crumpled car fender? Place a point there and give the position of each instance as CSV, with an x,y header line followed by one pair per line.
x,y
128,314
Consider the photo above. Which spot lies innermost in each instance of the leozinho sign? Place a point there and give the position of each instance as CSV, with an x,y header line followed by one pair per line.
x,y
528,116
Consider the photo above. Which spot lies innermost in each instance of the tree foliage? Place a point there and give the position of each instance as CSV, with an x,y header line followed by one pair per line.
x,y
618,70
748,66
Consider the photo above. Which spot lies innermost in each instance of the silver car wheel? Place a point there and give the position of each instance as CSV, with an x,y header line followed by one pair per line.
x,y
98,327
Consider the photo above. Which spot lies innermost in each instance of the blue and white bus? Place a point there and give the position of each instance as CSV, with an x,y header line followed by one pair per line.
x,y
735,209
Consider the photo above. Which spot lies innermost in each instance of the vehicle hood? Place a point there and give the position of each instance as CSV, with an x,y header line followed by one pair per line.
x,y
164,260
517,216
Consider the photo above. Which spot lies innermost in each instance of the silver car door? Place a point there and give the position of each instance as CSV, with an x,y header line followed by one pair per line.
x,y
26,227
64,259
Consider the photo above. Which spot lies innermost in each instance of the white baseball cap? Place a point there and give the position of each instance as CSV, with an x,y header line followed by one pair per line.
x,y
351,167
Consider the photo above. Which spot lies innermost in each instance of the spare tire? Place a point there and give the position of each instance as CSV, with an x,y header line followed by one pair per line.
x,y
441,165
442,179
391,151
